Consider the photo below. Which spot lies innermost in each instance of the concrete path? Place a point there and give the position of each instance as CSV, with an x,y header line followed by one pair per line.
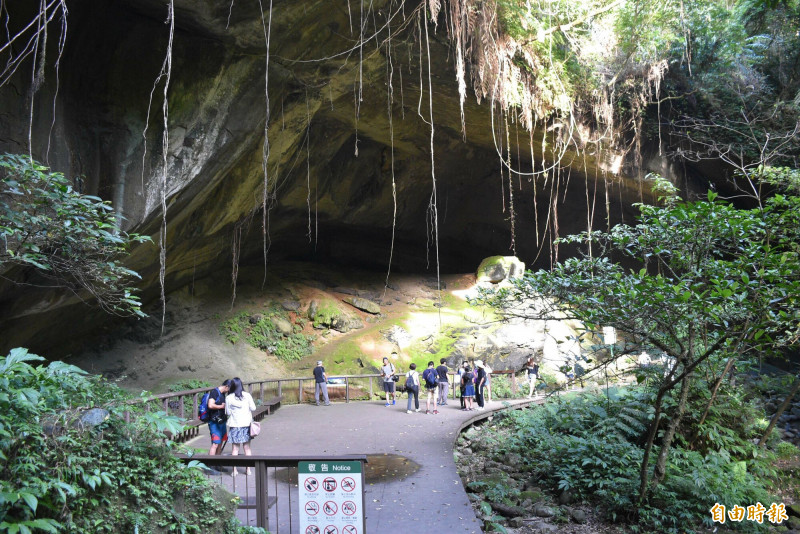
x,y
430,500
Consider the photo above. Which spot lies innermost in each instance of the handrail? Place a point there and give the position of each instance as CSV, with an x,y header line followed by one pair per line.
x,y
273,388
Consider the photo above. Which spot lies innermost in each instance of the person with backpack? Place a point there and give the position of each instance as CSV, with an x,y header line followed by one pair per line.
x,y
239,406
412,387
216,417
431,378
444,384
468,388
387,372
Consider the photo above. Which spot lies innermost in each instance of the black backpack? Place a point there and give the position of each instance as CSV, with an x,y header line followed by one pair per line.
x,y
410,381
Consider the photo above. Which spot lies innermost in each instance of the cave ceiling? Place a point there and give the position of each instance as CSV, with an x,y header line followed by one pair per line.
x,y
333,157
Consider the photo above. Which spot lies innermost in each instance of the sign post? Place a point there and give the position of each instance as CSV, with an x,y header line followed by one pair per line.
x,y
331,497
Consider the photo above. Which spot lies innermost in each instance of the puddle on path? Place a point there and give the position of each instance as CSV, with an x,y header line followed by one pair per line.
x,y
389,467
380,468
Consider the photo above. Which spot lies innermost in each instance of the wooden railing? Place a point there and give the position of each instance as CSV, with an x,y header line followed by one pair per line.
x,y
271,393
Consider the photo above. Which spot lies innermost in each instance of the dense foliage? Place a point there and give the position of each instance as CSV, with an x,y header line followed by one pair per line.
x,y
72,240
712,285
263,334
589,446
59,473
714,78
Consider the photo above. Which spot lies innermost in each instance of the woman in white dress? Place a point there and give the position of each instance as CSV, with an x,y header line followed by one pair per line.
x,y
239,406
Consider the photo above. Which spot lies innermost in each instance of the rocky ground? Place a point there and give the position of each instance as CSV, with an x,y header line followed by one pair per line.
x,y
535,510
351,318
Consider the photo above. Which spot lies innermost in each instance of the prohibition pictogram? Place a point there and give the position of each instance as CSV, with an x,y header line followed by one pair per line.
x,y
330,508
331,529
312,508
348,484
312,529
311,484
349,529
349,508
329,484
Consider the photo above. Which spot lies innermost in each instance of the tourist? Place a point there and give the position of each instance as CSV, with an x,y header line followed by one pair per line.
x,y
320,383
480,383
488,389
431,378
412,387
216,418
239,406
444,384
387,372
461,371
532,369
468,388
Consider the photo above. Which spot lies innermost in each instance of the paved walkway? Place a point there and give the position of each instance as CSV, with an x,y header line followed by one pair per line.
x,y
430,500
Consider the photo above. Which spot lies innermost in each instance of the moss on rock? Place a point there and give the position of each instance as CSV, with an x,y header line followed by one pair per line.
x,y
495,269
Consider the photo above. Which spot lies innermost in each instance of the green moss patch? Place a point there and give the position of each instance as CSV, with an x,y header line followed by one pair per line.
x,y
260,331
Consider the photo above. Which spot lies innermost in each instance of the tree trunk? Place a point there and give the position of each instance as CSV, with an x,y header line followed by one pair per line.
x,y
661,463
714,390
780,411
651,436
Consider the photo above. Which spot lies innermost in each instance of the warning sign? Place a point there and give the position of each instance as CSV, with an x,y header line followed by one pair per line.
x,y
349,508
334,505
348,484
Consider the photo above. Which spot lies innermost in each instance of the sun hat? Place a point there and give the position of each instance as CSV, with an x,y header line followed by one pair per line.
x,y
319,362
479,363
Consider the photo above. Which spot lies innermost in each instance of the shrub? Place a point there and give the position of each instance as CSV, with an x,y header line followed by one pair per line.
x,y
59,474
72,240
590,444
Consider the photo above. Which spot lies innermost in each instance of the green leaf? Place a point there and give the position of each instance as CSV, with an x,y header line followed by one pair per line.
x,y
31,500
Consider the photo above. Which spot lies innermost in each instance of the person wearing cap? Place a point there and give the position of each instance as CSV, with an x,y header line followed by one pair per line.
x,y
320,383
480,383
387,372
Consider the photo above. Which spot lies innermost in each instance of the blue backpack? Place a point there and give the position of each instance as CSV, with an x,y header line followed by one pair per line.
x,y
431,377
202,409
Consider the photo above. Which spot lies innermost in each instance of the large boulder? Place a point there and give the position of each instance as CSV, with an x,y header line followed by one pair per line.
x,y
363,304
496,269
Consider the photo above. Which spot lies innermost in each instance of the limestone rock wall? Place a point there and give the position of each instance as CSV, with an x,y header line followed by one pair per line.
x,y
330,172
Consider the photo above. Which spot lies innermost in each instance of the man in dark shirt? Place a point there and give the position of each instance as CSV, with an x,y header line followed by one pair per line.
x,y
444,385
321,383
216,419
